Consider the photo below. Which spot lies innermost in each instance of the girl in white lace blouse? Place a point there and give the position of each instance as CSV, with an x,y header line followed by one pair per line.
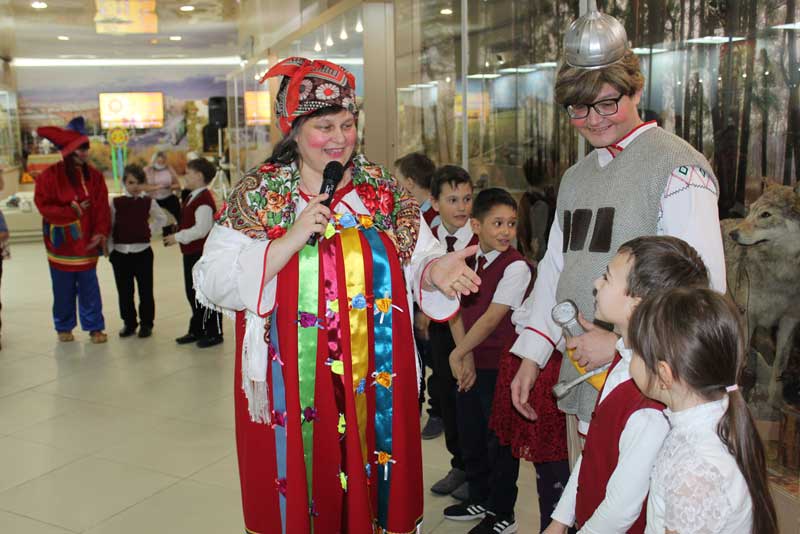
x,y
710,476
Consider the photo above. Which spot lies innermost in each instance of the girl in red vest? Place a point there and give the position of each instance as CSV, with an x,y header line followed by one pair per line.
x,y
607,489
710,475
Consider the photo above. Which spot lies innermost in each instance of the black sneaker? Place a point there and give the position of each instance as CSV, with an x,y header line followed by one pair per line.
x,y
433,428
188,338
484,527
504,526
464,512
205,342
128,331
145,331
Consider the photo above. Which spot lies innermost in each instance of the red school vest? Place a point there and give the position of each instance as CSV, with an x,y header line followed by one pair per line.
x,y
188,209
429,215
487,354
130,220
601,451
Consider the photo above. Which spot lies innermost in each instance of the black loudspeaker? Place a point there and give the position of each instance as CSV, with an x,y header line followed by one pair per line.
x,y
218,111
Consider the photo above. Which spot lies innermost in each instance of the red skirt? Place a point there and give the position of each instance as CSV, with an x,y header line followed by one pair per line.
x,y
543,440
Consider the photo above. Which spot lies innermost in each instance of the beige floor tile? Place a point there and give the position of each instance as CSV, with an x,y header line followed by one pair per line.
x,y
30,407
218,412
90,428
186,508
83,493
177,448
16,524
21,461
26,373
224,473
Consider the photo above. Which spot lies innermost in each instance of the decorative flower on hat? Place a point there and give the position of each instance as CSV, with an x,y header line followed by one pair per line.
x,y
327,91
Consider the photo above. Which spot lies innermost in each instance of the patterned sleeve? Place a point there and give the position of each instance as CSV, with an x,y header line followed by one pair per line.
x,y
696,502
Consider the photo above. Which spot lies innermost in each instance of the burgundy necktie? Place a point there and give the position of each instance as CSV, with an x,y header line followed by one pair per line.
x,y
451,242
481,265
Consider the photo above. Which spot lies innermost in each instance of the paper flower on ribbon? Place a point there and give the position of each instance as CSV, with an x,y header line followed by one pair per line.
x,y
278,419
365,221
309,414
281,483
312,510
384,306
337,366
308,320
342,425
359,302
348,221
362,386
368,470
383,379
384,459
333,306
330,231
343,480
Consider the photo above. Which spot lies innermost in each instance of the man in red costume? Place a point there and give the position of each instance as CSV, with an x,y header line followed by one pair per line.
x,y
73,200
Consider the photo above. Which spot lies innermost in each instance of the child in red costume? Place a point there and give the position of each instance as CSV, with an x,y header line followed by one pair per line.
x,y
73,200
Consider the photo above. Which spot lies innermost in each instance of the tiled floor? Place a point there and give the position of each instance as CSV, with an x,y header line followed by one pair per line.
x,y
134,436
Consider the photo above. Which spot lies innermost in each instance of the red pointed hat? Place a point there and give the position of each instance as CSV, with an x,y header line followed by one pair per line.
x,y
67,141
308,86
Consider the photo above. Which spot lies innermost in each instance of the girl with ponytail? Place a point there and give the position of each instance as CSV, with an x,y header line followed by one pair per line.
x,y
710,475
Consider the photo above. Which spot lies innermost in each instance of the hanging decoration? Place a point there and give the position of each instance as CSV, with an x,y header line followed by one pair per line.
x,y
118,139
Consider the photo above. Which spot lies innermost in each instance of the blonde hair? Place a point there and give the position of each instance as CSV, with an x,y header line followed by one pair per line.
x,y
581,86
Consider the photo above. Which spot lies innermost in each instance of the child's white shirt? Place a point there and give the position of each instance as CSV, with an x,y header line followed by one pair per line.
x,y
511,288
697,487
203,221
463,235
627,488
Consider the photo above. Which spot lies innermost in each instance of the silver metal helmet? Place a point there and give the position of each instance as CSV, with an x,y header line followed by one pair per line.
x,y
594,40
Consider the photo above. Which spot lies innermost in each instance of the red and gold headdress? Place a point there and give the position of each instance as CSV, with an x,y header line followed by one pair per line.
x,y
310,85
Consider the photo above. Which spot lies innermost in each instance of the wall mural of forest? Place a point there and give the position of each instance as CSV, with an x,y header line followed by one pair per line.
x,y
722,74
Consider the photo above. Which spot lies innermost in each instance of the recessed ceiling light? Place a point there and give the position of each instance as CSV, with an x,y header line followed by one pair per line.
x,y
175,37
63,38
39,5
446,11
154,41
187,8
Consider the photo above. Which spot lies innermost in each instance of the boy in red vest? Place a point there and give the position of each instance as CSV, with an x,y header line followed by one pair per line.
x,y
414,171
483,331
451,197
197,218
608,486
130,253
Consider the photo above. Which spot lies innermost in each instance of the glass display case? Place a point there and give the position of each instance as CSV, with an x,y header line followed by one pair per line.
x,y
10,149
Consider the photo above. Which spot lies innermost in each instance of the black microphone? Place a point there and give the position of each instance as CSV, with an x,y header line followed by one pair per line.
x,y
331,177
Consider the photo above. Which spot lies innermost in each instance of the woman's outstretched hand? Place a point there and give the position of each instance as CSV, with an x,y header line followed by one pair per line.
x,y
451,275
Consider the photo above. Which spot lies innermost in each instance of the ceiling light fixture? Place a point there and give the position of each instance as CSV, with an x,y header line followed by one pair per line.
x,y
108,62
175,37
359,26
317,46
483,76
63,38
187,8
343,35
446,11
39,5
329,41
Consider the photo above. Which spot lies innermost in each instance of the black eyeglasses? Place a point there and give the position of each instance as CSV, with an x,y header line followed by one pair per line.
x,y
604,108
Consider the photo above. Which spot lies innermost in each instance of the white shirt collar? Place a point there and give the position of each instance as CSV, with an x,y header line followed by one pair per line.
x,y
195,192
624,352
605,156
465,232
706,414
490,257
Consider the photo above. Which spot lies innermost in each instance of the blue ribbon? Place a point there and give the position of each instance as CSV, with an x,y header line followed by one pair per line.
x,y
382,288
279,406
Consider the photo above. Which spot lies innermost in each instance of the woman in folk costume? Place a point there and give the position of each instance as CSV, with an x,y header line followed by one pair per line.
x,y
72,198
327,421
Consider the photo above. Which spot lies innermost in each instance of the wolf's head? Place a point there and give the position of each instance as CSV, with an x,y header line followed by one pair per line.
x,y
773,218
